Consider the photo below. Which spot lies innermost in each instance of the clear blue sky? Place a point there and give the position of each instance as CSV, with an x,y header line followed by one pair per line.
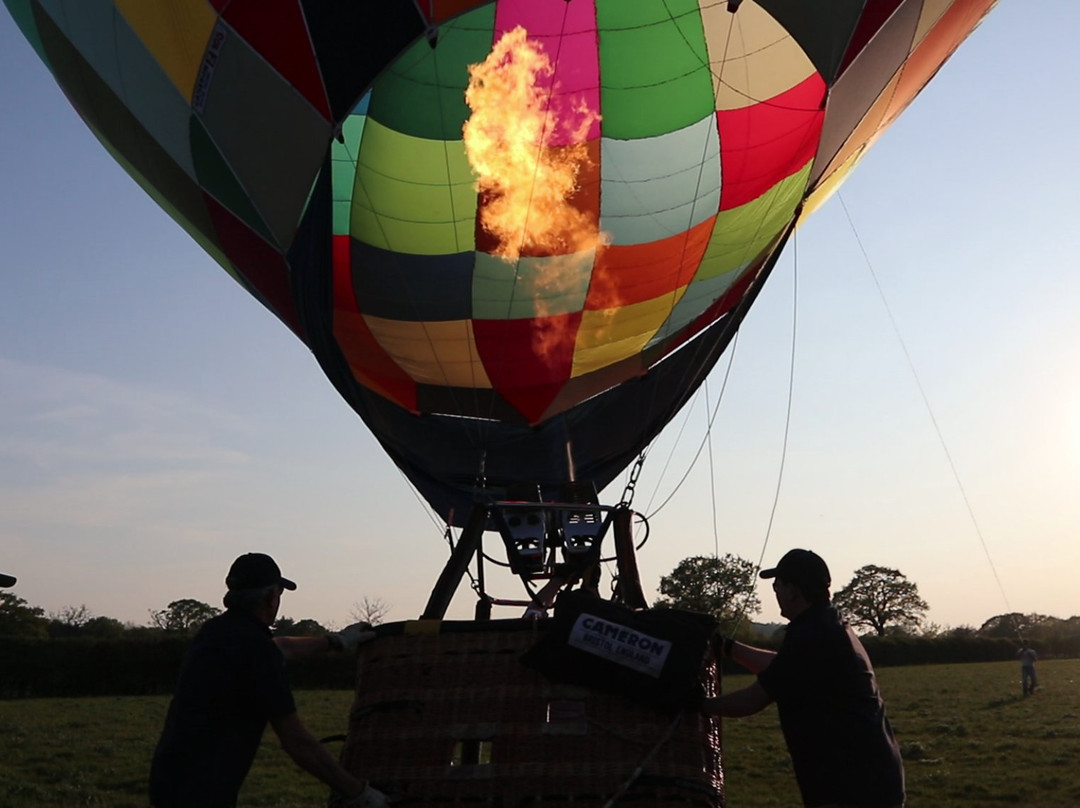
x,y
155,421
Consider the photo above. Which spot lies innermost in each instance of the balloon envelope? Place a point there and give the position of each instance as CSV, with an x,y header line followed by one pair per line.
x,y
316,151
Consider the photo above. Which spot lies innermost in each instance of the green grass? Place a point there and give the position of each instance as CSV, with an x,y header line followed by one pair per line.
x,y
56,753
969,738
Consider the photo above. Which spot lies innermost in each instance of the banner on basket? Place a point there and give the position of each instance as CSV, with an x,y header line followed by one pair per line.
x,y
654,655
619,644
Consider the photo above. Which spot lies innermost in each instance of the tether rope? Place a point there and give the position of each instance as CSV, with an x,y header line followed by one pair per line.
x,y
926,403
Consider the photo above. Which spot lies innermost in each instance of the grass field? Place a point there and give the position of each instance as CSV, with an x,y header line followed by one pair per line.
x,y
969,740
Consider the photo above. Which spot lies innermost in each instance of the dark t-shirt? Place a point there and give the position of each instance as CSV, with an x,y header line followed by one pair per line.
x,y
832,715
232,682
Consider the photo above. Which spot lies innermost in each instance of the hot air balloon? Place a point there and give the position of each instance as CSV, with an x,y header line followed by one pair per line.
x,y
515,234
316,152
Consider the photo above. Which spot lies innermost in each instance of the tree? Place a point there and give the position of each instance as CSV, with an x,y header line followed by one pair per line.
x,y
959,632
370,610
103,628
1014,624
183,616
69,621
74,616
19,619
721,586
881,598
287,627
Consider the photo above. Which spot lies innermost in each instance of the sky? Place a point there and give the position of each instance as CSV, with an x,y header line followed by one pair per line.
x,y
156,421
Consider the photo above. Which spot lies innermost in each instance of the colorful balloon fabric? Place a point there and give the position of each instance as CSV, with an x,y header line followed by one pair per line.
x,y
316,151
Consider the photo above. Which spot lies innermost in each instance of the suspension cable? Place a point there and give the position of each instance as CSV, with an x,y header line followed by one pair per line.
x,y
740,612
701,445
712,477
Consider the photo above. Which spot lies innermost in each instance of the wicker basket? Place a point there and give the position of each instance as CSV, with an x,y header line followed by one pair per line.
x,y
446,714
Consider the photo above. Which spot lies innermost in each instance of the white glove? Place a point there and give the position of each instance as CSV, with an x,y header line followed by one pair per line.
x,y
352,636
368,798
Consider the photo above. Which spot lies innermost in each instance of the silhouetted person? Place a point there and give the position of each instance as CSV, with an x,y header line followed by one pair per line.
x,y
831,711
231,685
1028,679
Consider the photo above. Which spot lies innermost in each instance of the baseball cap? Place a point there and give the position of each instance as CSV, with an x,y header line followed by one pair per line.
x,y
254,571
804,568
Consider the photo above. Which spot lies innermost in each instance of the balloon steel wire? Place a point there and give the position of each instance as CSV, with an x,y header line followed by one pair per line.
x,y
674,446
740,613
707,440
428,510
731,356
719,77
473,359
790,398
514,285
791,371
701,445
735,23
712,476
926,403
686,234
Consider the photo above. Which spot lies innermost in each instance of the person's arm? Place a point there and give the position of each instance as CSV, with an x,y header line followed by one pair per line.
x,y
750,657
751,699
294,648
305,749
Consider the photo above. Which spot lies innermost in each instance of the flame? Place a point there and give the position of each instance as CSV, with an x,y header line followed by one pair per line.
x,y
527,181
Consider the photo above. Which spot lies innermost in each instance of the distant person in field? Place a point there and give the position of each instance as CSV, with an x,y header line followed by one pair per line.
x,y
1028,680
831,711
232,683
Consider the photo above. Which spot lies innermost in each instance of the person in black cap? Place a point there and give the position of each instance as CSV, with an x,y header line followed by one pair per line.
x,y
231,684
831,712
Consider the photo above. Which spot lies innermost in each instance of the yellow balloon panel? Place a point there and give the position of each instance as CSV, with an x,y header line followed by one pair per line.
x,y
176,32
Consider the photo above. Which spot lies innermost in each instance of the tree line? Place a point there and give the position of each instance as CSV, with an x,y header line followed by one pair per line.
x,y
75,653
879,601
180,617
101,656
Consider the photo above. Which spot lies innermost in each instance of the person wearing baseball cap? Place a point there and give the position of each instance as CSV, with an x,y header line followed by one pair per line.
x,y
232,683
831,711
